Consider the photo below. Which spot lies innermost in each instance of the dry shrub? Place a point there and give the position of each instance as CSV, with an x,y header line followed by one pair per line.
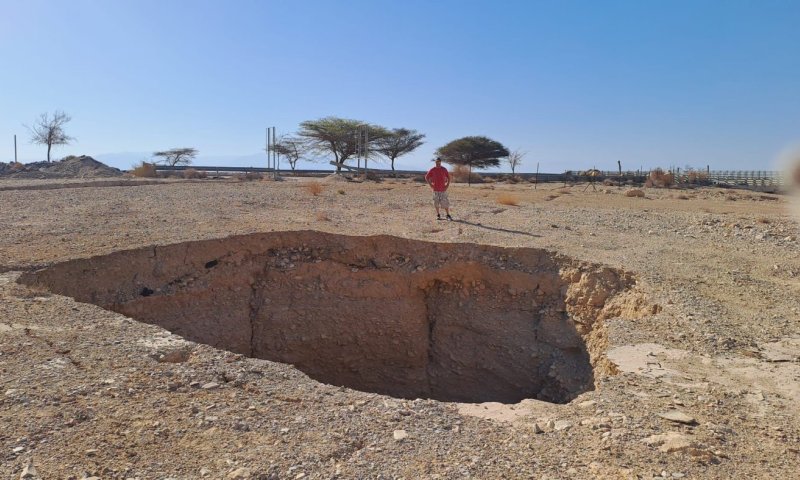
x,y
460,174
634,193
145,170
660,179
551,197
507,199
418,179
763,220
193,173
314,188
697,177
341,191
16,166
683,197
249,177
323,217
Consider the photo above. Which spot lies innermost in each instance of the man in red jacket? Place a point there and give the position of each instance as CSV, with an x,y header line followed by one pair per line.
x,y
438,178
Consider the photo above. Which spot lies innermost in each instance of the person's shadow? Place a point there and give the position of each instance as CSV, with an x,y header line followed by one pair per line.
x,y
497,229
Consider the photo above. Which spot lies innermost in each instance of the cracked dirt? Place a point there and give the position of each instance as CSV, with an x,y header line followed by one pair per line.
x,y
667,323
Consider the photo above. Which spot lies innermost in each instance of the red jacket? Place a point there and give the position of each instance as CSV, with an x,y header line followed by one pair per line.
x,y
438,178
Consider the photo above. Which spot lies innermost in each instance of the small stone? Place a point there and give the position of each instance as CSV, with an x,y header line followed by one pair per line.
x,y
537,429
300,475
204,472
562,425
678,474
587,404
678,417
18,449
28,473
400,435
210,385
239,473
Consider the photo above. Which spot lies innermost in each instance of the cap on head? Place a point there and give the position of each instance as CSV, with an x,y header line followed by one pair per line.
x,y
438,160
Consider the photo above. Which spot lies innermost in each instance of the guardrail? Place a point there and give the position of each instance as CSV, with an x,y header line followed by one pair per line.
x,y
764,180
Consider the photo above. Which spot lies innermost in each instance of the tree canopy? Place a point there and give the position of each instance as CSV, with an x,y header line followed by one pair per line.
x,y
49,130
339,137
176,156
478,152
400,141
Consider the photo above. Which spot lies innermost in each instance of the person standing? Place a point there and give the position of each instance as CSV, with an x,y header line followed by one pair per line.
x,y
439,179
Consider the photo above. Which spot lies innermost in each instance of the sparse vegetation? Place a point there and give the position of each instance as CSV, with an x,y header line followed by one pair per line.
x,y
341,191
658,178
145,170
508,199
635,193
314,188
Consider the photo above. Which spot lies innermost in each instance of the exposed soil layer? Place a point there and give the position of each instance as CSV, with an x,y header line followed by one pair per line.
x,y
407,318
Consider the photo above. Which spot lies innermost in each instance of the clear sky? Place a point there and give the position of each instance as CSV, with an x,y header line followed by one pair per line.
x,y
575,84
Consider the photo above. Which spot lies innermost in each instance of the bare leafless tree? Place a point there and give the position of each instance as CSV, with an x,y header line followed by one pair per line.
x,y
515,160
49,130
292,148
176,156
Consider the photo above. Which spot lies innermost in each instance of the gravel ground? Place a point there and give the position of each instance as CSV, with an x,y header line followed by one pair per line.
x,y
705,387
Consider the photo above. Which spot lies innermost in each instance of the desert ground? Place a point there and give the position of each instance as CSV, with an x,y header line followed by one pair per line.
x,y
694,344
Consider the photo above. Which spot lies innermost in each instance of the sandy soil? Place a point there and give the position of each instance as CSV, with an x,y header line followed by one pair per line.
x,y
706,360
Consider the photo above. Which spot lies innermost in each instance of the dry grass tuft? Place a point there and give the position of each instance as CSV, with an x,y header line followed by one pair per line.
x,y
314,188
145,170
191,173
763,220
508,199
341,191
634,193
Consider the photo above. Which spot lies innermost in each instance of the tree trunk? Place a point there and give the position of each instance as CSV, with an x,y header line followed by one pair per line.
x,y
469,176
393,174
49,146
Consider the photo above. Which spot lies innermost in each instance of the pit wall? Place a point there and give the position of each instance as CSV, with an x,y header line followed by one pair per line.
x,y
455,322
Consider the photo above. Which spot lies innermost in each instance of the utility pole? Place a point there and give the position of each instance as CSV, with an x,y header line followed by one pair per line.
x,y
15,149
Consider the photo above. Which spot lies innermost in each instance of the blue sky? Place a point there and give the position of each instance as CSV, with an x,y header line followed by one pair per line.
x,y
575,84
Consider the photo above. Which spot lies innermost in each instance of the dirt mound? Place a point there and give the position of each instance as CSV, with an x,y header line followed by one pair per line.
x,y
69,167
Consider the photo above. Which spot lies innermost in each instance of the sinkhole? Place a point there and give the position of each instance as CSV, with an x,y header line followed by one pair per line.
x,y
406,318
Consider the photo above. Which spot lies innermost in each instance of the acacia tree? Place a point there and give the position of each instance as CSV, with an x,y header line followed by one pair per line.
x,y
49,130
176,156
339,137
478,152
400,141
514,160
292,148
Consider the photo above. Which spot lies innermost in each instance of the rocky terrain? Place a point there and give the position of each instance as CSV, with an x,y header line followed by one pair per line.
x,y
696,363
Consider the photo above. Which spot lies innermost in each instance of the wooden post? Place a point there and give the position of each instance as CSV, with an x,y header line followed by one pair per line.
x,y
537,176
15,149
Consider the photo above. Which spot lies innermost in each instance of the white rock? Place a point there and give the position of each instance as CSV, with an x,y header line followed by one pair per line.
x,y
587,404
669,442
210,385
678,416
239,473
28,473
204,472
18,449
537,428
562,425
400,435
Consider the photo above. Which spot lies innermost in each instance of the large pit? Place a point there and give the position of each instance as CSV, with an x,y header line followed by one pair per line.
x,y
411,319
